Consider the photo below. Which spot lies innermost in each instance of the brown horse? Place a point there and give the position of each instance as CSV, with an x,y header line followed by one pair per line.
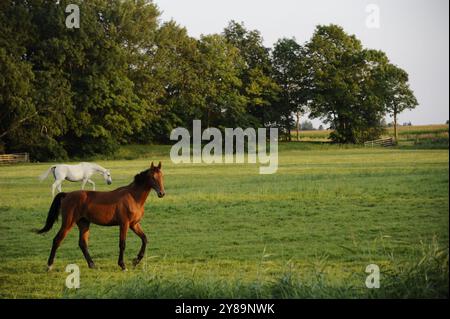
x,y
123,207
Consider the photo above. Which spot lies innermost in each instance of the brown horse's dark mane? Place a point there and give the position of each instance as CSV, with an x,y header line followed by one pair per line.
x,y
142,179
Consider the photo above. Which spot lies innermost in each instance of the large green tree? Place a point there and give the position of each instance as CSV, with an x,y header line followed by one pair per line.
x,y
36,97
346,84
220,64
73,90
291,74
398,95
111,43
258,85
171,80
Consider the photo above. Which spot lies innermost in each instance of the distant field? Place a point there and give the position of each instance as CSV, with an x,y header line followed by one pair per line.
x,y
420,129
406,133
308,231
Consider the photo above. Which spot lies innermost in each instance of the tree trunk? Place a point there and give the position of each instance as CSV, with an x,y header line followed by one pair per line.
x,y
395,128
298,126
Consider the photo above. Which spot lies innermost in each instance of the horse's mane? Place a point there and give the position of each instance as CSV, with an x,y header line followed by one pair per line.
x,y
141,178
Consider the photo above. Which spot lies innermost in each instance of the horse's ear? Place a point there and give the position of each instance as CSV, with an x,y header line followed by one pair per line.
x,y
152,166
159,165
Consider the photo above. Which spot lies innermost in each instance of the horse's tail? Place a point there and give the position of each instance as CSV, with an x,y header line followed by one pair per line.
x,y
45,174
52,213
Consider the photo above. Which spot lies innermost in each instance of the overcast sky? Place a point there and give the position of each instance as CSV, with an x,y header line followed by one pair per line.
x,y
413,33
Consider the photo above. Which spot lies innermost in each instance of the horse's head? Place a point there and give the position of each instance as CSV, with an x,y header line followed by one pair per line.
x,y
157,179
107,177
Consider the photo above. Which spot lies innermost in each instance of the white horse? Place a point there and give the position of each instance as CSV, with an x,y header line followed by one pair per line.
x,y
76,173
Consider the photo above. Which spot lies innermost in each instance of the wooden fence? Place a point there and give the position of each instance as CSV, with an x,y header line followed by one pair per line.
x,y
14,158
384,142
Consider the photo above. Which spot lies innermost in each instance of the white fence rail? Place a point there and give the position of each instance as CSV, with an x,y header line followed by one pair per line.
x,y
384,142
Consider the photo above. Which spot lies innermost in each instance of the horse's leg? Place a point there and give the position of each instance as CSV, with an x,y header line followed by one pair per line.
x,y
65,228
59,176
56,186
122,239
92,183
137,229
83,226
83,184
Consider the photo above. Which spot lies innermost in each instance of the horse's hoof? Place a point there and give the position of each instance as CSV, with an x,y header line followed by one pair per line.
x,y
49,268
136,261
92,266
123,267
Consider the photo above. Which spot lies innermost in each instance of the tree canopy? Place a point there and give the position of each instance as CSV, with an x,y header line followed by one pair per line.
x,y
124,77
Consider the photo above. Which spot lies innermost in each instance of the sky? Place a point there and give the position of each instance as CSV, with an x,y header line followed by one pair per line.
x,y
413,33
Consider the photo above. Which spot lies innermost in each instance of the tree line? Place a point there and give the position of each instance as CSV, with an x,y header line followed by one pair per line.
x,y
126,77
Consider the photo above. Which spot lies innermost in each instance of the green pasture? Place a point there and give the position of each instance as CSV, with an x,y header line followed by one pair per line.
x,y
308,231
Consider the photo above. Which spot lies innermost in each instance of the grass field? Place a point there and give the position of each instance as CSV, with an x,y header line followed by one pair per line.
x,y
308,231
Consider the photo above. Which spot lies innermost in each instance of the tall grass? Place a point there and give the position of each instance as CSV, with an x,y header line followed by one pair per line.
x,y
425,278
